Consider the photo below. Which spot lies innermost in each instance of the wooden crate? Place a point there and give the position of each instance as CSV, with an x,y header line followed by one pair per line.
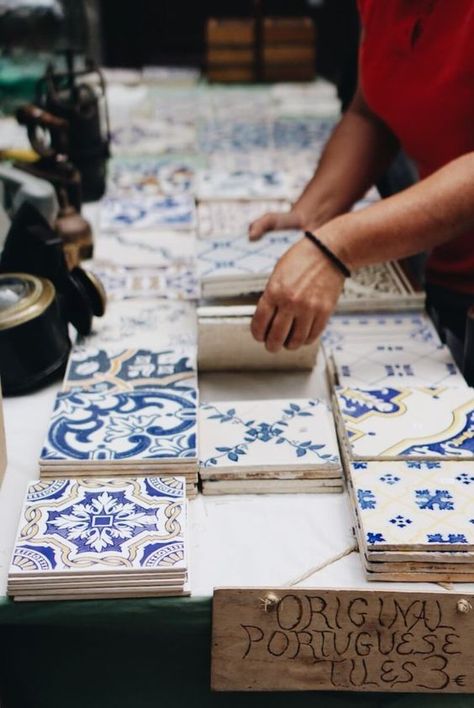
x,y
288,30
230,32
230,55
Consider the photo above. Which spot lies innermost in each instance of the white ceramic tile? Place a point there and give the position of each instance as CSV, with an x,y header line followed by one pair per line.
x,y
175,282
404,327
266,435
145,247
415,505
220,219
241,184
143,136
147,212
423,423
147,323
224,264
395,364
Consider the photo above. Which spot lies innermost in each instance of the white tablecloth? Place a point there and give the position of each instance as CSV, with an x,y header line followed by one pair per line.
x,y
267,540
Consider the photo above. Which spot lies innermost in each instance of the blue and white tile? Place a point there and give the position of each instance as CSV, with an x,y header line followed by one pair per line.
x,y
100,426
130,369
147,212
175,282
242,184
223,262
143,136
349,329
145,247
415,505
101,527
147,323
267,438
395,364
408,423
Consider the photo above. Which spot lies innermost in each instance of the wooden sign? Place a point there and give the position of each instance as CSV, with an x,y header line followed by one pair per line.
x,y
342,640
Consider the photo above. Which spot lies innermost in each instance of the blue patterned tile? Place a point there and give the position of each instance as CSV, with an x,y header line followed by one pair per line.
x,y
94,526
416,423
267,435
144,212
175,282
148,323
130,369
429,507
143,425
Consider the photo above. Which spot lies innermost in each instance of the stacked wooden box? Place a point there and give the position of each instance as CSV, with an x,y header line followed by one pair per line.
x,y
231,50
288,49
275,49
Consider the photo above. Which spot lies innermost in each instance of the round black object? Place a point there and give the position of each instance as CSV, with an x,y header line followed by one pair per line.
x,y
34,341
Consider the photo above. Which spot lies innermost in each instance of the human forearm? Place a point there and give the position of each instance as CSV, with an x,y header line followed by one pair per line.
x,y
304,287
357,154
435,210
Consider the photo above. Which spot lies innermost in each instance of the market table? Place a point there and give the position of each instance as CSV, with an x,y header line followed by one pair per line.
x,y
147,652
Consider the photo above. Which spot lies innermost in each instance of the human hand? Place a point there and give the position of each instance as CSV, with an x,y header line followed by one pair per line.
x,y
301,294
275,221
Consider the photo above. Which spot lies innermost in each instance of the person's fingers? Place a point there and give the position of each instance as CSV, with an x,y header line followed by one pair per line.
x,y
317,327
273,221
260,226
262,318
300,331
279,330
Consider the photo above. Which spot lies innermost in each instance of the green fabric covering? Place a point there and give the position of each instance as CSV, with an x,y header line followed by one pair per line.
x,y
138,654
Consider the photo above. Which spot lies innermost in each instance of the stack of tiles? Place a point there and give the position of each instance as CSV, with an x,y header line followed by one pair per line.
x,y
91,539
272,446
409,459
125,412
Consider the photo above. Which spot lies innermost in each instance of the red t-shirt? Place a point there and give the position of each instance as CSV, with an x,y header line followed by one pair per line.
x,y
417,74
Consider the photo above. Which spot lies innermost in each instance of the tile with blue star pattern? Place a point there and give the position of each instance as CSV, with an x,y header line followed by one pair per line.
x,y
414,506
129,528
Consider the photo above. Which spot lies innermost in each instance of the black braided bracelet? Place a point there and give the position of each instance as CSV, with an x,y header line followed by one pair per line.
x,y
329,254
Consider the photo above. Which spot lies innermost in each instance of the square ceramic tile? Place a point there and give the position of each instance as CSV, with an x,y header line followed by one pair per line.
x,y
130,369
218,219
224,261
147,212
145,247
404,327
395,364
143,136
379,287
242,184
101,526
415,505
97,426
423,423
147,323
176,282
266,435
152,177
